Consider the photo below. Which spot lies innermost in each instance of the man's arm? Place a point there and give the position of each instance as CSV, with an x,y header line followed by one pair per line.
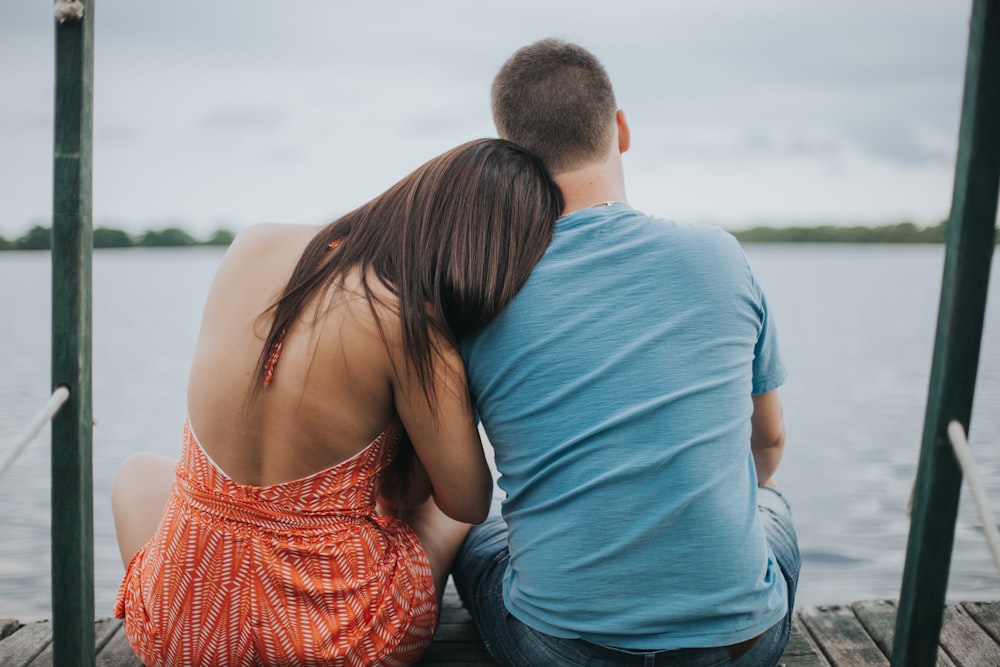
x,y
767,435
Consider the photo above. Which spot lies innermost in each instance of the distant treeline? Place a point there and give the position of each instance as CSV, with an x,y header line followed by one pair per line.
x,y
40,238
903,232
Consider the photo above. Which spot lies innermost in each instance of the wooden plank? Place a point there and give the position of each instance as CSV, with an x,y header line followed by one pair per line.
x,y
841,637
833,636
456,632
456,654
879,619
451,604
117,653
460,644
456,623
987,615
104,629
24,645
456,641
968,644
8,626
801,650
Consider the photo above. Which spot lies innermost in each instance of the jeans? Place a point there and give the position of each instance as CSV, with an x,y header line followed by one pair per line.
x,y
482,561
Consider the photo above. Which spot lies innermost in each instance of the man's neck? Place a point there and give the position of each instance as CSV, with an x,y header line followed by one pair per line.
x,y
593,184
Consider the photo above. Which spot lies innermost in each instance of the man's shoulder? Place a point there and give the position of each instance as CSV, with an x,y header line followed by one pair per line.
x,y
697,235
694,229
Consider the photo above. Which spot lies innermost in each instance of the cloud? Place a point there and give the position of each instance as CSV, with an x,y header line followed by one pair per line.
x,y
225,110
244,119
903,143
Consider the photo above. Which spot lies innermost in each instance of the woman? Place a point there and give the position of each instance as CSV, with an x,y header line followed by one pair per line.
x,y
323,352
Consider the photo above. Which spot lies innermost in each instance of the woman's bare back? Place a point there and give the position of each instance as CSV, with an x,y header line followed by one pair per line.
x,y
331,392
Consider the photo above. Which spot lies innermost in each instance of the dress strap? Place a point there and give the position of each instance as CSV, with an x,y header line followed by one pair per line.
x,y
275,351
272,358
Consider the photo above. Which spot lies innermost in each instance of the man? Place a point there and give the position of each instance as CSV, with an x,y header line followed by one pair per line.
x,y
630,394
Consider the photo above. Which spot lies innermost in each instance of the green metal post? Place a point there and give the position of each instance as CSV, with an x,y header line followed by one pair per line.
x,y
971,239
72,242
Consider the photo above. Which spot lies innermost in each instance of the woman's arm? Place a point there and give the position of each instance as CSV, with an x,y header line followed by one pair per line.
x,y
397,497
444,435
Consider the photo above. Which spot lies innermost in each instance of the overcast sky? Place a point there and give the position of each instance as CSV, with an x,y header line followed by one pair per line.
x,y
217,113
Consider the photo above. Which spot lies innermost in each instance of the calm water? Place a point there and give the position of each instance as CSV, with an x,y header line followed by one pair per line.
x,y
857,328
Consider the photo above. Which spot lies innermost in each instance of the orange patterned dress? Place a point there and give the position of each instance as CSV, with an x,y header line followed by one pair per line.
x,y
299,573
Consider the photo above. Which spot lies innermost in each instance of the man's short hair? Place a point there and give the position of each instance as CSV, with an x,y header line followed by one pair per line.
x,y
555,100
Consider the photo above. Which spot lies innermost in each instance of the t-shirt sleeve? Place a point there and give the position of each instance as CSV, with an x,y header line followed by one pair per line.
x,y
769,371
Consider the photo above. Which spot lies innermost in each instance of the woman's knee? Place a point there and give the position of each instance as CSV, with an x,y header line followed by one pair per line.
x,y
141,475
139,493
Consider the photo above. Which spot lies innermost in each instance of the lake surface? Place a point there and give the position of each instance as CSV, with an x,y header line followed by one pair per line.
x,y
857,329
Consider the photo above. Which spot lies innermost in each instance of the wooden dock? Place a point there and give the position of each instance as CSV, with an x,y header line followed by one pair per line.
x,y
857,635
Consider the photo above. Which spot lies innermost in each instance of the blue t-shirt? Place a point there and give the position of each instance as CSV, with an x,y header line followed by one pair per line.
x,y
616,390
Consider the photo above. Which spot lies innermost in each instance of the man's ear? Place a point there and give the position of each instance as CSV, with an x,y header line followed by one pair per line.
x,y
624,137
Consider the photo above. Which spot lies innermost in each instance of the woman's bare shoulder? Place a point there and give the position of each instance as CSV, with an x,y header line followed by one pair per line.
x,y
368,298
264,234
266,246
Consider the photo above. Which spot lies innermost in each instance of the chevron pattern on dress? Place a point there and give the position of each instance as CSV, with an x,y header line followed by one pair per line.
x,y
300,573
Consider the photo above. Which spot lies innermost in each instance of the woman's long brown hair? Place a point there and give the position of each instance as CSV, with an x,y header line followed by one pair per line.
x,y
454,241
